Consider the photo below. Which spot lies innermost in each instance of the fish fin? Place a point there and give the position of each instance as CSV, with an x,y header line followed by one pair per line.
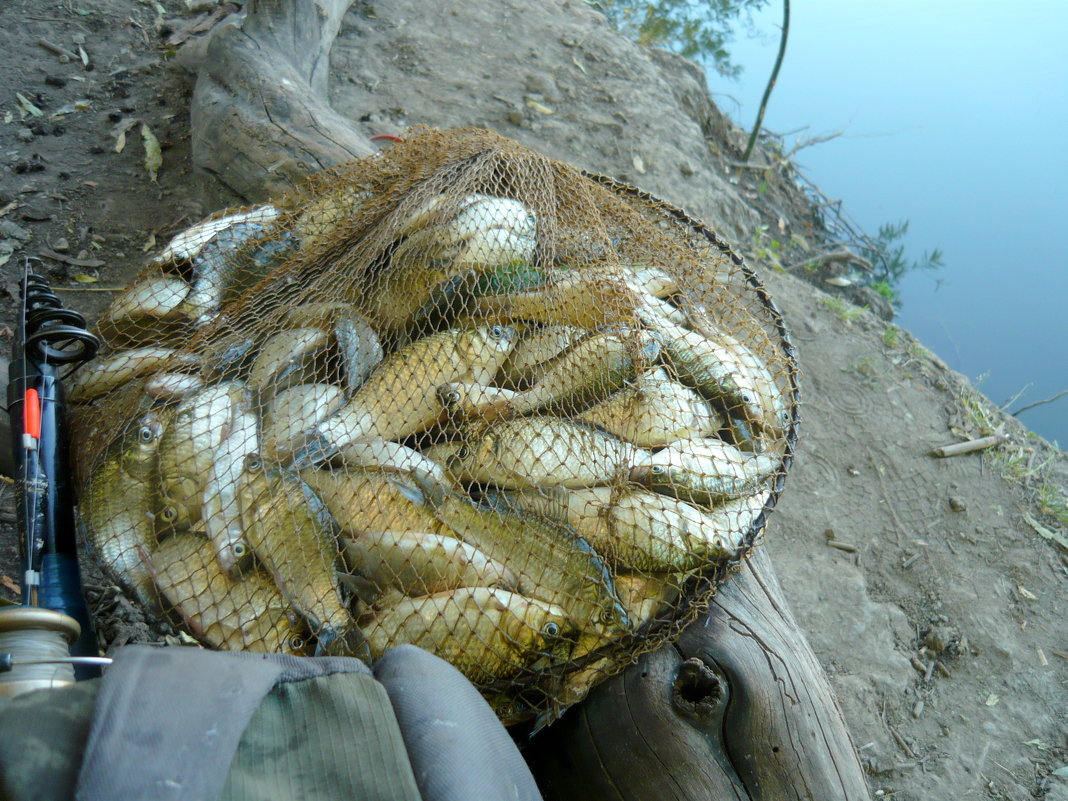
x,y
316,450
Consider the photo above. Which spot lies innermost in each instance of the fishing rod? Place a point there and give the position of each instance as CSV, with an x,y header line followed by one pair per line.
x,y
51,631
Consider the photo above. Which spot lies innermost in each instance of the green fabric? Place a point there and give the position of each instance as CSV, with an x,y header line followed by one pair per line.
x,y
332,737
42,737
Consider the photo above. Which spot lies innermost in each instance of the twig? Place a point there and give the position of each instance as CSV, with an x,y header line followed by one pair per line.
x,y
59,51
771,81
841,254
1039,403
966,447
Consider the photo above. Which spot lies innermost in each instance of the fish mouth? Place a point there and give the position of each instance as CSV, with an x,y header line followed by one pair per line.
x,y
315,451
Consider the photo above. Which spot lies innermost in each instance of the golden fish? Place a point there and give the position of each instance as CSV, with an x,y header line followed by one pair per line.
x,y
589,371
357,342
544,451
653,410
647,595
118,503
586,299
421,563
219,505
233,614
106,373
466,400
172,386
286,358
775,418
291,536
399,398
370,500
146,312
633,528
706,471
187,450
534,350
328,213
290,413
485,633
712,369
383,454
553,564
191,242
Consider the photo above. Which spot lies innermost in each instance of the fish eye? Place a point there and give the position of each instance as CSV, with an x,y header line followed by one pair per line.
x,y
239,549
658,470
551,629
497,332
146,433
254,463
296,644
746,397
452,396
607,616
169,514
462,453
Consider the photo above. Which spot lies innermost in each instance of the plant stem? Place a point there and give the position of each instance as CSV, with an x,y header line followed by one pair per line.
x,y
771,81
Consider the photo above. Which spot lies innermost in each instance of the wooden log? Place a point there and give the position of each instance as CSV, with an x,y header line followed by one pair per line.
x,y
260,116
739,707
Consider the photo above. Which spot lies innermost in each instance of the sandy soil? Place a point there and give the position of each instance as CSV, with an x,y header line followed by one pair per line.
x,y
937,608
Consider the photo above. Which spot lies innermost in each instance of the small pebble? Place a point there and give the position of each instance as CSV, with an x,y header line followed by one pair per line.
x,y
24,134
956,504
514,118
61,245
55,80
30,214
686,168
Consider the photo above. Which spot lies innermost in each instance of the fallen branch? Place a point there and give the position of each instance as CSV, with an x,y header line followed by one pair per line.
x,y
841,254
967,447
1039,403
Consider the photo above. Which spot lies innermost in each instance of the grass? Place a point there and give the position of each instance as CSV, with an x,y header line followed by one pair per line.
x,y
891,336
1017,462
846,312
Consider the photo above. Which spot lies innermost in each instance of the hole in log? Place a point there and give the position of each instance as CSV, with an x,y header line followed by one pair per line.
x,y
698,690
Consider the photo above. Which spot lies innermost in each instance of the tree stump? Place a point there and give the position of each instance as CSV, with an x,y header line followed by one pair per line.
x,y
737,708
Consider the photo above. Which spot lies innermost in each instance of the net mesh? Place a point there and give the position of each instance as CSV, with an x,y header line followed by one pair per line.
x,y
458,395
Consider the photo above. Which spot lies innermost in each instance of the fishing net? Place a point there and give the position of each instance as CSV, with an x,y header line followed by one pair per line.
x,y
457,395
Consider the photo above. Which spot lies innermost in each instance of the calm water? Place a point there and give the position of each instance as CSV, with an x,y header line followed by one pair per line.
x,y
954,117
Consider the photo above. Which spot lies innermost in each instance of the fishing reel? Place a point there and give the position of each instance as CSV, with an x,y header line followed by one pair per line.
x,y
48,640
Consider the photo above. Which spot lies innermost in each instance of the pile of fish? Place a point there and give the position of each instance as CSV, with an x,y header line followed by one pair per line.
x,y
509,461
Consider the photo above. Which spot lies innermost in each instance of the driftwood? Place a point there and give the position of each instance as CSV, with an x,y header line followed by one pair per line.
x,y
260,117
739,707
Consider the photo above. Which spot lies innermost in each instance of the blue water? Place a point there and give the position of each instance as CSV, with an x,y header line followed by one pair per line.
x,y
954,116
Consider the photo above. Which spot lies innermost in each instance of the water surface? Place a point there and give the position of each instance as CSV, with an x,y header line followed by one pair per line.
x,y
954,117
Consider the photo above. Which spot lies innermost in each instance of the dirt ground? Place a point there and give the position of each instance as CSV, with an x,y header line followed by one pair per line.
x,y
925,585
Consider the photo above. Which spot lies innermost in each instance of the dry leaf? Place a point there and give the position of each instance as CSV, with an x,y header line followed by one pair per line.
x,y
120,141
27,106
83,278
84,56
1042,531
10,585
153,153
992,699
1026,593
149,243
639,164
538,107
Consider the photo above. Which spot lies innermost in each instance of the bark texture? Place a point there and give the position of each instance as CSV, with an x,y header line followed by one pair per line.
x,y
261,118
